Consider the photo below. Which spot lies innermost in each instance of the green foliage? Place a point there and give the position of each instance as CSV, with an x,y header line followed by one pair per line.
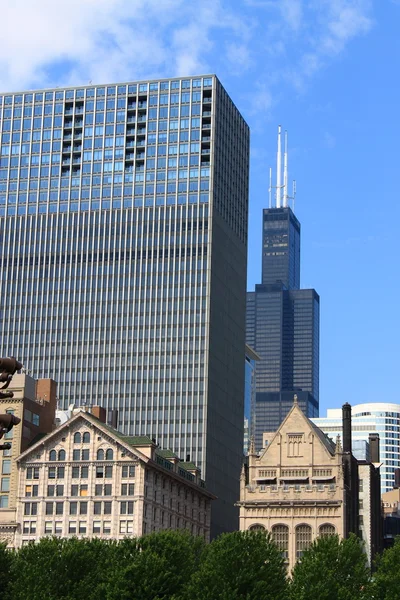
x,y
62,569
6,562
385,584
156,566
331,569
240,565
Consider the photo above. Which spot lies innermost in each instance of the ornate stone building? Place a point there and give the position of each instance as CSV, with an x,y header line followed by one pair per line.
x,y
86,479
301,486
34,402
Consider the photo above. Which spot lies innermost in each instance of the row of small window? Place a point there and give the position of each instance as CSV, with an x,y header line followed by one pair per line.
x,y
126,507
82,490
111,90
105,204
127,471
74,527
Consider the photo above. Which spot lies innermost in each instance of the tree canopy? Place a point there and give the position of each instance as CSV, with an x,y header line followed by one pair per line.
x,y
331,569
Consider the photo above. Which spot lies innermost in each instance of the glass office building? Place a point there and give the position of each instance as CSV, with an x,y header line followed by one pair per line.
x,y
123,215
250,363
282,325
373,417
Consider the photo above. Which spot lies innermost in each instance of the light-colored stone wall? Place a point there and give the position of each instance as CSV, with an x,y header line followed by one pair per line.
x,y
159,498
296,481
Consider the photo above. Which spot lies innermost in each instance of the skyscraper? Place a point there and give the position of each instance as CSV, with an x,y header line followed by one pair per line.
x,y
123,253
282,320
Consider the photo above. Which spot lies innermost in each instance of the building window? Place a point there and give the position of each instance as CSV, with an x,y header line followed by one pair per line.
x,y
294,444
128,489
72,527
360,485
109,454
32,473
280,534
100,454
61,455
326,530
82,526
107,527
126,527
30,508
48,527
86,437
31,490
303,539
59,508
6,470
5,484
77,438
52,472
96,526
128,471
73,508
52,455
83,506
126,508
257,527
58,528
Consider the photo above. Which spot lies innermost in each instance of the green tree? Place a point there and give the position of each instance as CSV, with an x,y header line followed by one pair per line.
x,y
6,562
63,569
386,580
156,566
331,569
239,566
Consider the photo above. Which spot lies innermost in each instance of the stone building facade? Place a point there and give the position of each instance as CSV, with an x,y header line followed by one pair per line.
x,y
34,402
86,479
296,487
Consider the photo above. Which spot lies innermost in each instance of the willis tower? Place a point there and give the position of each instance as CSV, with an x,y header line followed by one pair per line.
x,y
282,320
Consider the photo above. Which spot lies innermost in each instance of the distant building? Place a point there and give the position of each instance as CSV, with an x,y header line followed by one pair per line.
x,y
282,320
372,417
391,512
34,402
87,479
251,359
303,485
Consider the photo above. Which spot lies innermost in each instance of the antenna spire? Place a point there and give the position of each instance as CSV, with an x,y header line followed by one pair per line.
x,y
278,170
285,173
282,196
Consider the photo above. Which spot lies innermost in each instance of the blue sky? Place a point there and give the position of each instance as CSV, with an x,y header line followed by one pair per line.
x,y
327,71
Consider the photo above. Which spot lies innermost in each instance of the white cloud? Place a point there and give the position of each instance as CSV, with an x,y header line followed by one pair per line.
x,y
105,40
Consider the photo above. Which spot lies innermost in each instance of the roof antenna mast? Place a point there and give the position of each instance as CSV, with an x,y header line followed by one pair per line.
x,y
281,199
278,170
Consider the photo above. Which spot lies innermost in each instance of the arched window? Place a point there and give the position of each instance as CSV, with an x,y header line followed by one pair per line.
x,y
280,534
100,454
326,530
257,527
61,455
86,437
109,454
52,455
77,438
303,539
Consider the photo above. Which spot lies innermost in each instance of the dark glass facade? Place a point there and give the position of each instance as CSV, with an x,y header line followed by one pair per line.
x,y
281,248
123,247
283,327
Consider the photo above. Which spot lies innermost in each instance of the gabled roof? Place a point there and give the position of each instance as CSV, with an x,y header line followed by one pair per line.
x,y
129,442
323,438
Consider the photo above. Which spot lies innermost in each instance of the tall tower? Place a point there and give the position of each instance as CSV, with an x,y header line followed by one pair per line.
x,y
123,224
282,322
